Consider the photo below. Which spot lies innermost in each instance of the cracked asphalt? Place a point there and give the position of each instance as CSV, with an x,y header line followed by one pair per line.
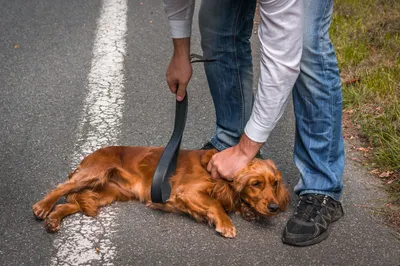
x,y
46,56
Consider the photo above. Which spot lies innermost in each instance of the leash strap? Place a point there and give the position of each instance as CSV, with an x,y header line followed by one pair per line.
x,y
195,58
160,187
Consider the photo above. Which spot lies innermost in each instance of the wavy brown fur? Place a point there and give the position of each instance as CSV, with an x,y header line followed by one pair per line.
x,y
121,173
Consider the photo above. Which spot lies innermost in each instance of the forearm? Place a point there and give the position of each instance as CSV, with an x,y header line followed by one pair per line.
x,y
182,47
281,47
179,72
248,147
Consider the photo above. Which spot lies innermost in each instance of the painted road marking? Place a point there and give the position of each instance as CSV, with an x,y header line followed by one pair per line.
x,y
85,240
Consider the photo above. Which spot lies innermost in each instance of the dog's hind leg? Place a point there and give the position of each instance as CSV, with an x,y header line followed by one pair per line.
x,y
90,200
85,178
86,201
53,221
42,208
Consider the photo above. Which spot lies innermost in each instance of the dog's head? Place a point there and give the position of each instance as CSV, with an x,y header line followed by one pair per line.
x,y
261,188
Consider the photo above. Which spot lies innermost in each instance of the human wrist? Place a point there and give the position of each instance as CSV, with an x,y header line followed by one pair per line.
x,y
182,47
248,147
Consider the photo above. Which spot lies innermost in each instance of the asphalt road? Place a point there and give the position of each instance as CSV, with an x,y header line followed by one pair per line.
x,y
48,52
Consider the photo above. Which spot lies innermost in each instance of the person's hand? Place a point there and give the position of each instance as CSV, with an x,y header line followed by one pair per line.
x,y
179,69
227,163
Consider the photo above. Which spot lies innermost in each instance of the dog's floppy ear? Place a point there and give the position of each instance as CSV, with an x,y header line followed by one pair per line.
x,y
271,165
282,193
241,177
253,167
206,156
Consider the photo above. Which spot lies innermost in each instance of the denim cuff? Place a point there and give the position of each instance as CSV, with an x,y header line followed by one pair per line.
x,y
333,195
218,145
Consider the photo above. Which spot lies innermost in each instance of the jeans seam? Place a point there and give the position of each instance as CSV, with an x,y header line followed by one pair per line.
x,y
320,37
330,158
239,83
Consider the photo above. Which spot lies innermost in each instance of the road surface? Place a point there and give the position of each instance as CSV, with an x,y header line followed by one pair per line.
x,y
78,75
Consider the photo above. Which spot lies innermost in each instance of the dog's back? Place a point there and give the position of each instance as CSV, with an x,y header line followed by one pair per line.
x,y
133,167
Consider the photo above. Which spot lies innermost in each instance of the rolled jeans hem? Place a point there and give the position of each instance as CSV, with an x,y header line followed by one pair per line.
x,y
333,195
218,145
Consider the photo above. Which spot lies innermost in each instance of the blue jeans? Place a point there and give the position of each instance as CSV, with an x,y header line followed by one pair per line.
x,y
226,28
317,100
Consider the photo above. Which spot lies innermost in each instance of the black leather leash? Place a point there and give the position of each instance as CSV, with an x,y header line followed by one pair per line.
x,y
195,58
160,187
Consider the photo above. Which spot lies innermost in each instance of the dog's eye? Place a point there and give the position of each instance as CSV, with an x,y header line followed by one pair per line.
x,y
256,183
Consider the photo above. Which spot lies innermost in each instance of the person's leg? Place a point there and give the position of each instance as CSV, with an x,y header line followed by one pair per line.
x,y
226,27
319,146
317,99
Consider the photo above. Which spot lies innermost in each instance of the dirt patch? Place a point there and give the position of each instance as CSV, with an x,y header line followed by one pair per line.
x,y
360,152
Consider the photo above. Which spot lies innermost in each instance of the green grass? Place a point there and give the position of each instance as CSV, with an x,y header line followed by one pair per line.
x,y
366,35
377,111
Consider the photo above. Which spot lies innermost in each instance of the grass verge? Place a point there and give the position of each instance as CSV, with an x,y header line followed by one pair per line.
x,y
366,35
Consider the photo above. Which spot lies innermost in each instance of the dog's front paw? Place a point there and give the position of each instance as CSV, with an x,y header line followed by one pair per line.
x,y
228,231
41,210
52,225
248,213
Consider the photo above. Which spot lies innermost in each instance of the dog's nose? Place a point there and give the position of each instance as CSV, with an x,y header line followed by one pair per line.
x,y
273,207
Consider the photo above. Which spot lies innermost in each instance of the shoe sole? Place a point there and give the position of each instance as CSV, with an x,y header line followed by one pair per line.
x,y
313,241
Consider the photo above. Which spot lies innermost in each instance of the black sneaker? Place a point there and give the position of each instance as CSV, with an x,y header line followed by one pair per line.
x,y
310,223
209,146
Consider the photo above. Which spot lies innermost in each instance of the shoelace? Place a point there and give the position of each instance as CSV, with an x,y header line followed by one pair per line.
x,y
309,206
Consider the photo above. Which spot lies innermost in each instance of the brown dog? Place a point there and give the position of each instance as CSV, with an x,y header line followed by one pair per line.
x,y
125,173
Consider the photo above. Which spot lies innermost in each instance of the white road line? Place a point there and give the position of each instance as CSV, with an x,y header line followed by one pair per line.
x,y
85,240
